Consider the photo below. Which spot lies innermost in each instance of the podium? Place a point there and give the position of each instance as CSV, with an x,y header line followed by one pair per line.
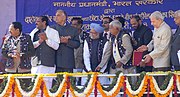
x,y
137,58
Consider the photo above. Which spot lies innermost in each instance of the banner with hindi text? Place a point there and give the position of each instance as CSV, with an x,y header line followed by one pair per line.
x,y
94,10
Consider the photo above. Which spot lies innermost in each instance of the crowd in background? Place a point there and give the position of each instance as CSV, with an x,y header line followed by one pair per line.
x,y
108,47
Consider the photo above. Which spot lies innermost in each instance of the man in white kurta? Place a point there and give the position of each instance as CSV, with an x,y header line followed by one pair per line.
x,y
46,42
93,50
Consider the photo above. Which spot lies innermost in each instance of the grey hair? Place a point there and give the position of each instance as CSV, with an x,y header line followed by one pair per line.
x,y
157,15
116,23
61,11
177,12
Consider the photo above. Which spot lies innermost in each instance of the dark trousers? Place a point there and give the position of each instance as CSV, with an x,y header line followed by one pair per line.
x,y
60,69
177,68
146,69
2,64
2,68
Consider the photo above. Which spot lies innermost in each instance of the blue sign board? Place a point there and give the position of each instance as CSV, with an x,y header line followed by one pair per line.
x,y
94,10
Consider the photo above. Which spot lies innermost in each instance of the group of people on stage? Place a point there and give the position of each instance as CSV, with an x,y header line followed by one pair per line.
x,y
106,48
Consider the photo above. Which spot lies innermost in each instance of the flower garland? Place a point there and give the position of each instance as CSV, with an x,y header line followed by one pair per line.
x,y
115,90
178,82
138,83
27,86
3,84
114,82
9,82
8,87
88,89
19,91
157,91
73,84
60,91
58,80
140,91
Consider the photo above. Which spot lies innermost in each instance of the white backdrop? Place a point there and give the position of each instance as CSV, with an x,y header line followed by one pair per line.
x,y
7,15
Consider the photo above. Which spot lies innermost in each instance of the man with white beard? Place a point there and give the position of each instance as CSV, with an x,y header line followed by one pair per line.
x,y
94,47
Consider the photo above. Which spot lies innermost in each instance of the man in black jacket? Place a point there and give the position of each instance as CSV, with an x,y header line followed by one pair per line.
x,y
18,49
46,42
141,36
175,47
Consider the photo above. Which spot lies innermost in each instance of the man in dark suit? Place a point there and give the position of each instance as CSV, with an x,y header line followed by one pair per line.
x,y
142,36
69,40
77,22
175,47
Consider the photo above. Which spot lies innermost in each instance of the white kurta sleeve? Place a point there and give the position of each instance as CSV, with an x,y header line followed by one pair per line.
x,y
86,56
53,38
36,44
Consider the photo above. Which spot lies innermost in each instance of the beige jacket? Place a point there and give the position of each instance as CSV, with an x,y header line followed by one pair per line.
x,y
161,44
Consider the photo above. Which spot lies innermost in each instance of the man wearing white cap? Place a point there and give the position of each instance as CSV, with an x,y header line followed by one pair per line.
x,y
94,47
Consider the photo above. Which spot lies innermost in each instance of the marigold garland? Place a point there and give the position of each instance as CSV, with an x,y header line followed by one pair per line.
x,y
73,83
139,81
17,91
140,91
113,92
27,87
33,92
154,88
38,86
8,87
3,84
58,80
60,91
113,83
178,82
88,90
62,87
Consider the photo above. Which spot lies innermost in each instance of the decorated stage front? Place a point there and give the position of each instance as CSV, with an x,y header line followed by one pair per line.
x,y
13,85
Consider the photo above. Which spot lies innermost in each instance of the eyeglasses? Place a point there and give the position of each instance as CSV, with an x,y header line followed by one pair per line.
x,y
105,22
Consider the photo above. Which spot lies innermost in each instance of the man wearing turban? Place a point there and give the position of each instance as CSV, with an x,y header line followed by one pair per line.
x,y
94,47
